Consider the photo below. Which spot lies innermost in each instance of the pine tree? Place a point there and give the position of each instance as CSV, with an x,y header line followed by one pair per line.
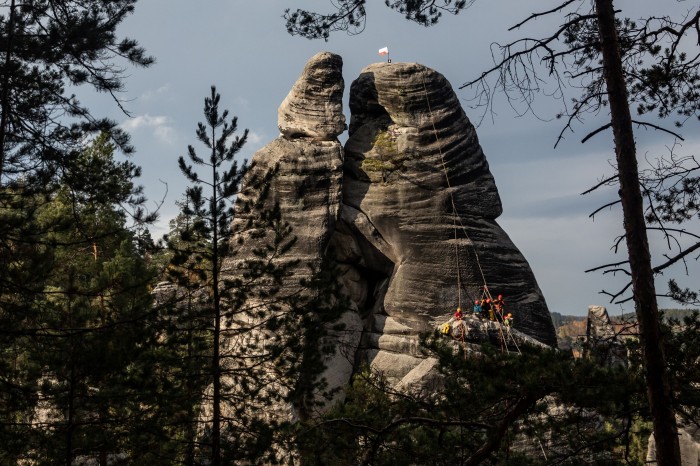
x,y
47,45
44,47
486,407
263,328
212,213
82,320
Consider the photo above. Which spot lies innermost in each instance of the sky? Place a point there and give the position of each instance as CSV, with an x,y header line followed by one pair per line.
x,y
243,48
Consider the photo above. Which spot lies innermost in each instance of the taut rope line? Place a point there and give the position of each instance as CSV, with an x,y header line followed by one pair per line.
x,y
455,218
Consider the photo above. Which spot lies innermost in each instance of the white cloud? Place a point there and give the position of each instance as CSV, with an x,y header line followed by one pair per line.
x,y
255,138
152,94
159,125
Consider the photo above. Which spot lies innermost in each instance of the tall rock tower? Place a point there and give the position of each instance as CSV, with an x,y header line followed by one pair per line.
x,y
407,209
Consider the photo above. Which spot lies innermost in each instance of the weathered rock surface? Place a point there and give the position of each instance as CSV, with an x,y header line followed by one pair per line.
x,y
406,214
411,154
602,342
689,440
314,106
301,172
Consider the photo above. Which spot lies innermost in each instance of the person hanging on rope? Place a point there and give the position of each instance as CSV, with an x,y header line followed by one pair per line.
x,y
486,308
477,308
456,317
508,321
499,306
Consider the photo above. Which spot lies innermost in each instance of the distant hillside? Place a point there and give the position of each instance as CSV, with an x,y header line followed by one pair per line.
x,y
571,329
558,319
668,314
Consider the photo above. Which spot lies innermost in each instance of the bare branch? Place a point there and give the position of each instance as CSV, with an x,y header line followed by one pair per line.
x,y
609,204
651,125
615,264
676,258
544,13
538,44
593,133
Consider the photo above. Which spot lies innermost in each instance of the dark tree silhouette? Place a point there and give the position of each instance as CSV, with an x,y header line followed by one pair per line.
x,y
213,213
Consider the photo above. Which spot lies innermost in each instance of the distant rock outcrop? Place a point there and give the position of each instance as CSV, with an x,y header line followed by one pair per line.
x,y
602,341
408,210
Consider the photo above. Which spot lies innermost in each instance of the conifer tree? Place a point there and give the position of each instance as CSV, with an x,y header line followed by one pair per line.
x,y
264,329
212,213
46,46
87,318
534,407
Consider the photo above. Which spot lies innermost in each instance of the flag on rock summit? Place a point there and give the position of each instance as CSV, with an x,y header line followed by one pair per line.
x,y
384,51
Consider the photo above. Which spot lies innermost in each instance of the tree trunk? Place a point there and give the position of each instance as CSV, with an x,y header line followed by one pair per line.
x,y
216,363
5,93
658,387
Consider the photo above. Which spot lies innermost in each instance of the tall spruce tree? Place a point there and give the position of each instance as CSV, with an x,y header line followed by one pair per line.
x,y
264,329
45,47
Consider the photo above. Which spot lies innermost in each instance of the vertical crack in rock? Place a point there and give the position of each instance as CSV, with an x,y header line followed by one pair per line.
x,y
304,167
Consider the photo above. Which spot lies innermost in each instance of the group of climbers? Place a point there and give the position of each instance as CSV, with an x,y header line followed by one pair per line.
x,y
485,308
494,310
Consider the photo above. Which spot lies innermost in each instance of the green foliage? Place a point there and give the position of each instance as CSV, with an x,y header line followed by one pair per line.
x,y
351,15
486,408
251,337
49,46
376,165
78,308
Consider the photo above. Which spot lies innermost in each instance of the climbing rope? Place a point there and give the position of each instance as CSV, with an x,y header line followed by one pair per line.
x,y
457,218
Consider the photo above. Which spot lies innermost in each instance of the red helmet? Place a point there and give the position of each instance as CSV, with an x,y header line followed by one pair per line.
x,y
476,301
500,296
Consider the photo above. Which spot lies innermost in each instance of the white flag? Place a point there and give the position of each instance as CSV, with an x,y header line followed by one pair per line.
x,y
384,51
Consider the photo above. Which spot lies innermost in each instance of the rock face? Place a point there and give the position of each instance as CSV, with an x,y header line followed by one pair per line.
x,y
418,216
305,162
689,440
602,342
408,210
301,172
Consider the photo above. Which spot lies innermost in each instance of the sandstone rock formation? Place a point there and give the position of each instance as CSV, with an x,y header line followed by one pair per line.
x,y
689,440
602,342
300,173
411,154
408,210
